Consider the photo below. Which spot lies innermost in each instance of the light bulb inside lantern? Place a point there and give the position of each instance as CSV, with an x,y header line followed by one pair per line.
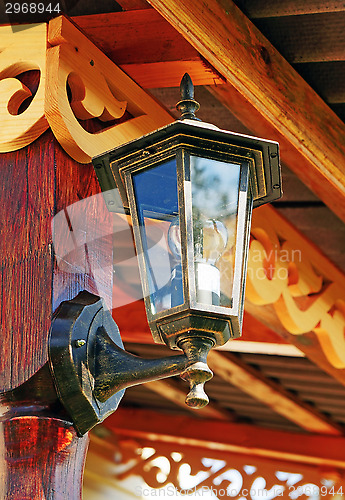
x,y
210,240
174,238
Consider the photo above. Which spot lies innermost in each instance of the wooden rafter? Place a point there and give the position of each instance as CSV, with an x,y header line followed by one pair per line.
x,y
304,39
154,58
249,380
283,101
169,390
271,8
230,437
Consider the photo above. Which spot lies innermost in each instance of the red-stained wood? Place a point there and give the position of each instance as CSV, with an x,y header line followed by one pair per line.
x,y
133,4
155,57
47,202
326,451
82,233
37,183
41,458
26,207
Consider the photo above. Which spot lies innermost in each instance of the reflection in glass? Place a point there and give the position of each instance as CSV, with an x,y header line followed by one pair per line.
x,y
157,200
215,188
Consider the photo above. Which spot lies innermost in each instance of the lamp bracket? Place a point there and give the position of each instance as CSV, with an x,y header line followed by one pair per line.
x,y
72,339
91,369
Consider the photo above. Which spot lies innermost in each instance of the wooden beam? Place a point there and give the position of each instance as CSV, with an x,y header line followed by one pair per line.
x,y
229,437
252,382
269,85
133,4
304,39
271,8
154,58
171,391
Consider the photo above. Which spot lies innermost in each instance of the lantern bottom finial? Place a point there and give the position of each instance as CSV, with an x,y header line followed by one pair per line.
x,y
197,373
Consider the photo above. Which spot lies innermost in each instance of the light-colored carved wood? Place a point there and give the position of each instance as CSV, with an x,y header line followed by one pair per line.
x,y
297,290
249,380
159,461
99,90
21,50
177,464
270,86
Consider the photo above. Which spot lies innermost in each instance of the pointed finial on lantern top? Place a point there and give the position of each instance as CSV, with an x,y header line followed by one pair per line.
x,y
188,105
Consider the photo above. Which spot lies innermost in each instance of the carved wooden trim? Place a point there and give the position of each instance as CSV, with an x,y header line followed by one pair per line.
x,y
20,51
168,460
304,288
94,82
97,87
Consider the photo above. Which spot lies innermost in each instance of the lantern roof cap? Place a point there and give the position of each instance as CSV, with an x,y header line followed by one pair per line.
x,y
262,154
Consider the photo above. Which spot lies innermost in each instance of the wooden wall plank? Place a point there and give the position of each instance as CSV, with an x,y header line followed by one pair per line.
x,y
37,183
230,42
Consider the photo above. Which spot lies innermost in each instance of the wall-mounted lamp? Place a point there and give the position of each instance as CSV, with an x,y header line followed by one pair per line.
x,y
195,186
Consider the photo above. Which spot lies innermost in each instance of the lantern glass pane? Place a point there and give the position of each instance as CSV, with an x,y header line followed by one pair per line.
x,y
215,192
156,194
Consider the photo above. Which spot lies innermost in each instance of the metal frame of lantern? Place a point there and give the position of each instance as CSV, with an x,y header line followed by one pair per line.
x,y
196,308
259,184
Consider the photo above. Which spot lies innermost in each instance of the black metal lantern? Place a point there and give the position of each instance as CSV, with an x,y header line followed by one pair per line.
x,y
190,189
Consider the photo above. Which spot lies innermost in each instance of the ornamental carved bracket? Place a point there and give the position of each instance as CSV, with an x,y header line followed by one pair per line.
x,y
90,104
20,52
298,289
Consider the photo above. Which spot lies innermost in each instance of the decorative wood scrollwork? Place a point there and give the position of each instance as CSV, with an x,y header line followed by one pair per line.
x,y
204,472
21,51
99,89
77,83
304,288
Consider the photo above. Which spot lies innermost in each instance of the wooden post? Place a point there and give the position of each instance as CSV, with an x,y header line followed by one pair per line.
x,y
41,455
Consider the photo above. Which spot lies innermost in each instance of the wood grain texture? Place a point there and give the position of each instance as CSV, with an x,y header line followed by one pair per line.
x,y
307,39
21,50
231,43
155,57
272,8
82,233
94,81
27,199
41,458
37,184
